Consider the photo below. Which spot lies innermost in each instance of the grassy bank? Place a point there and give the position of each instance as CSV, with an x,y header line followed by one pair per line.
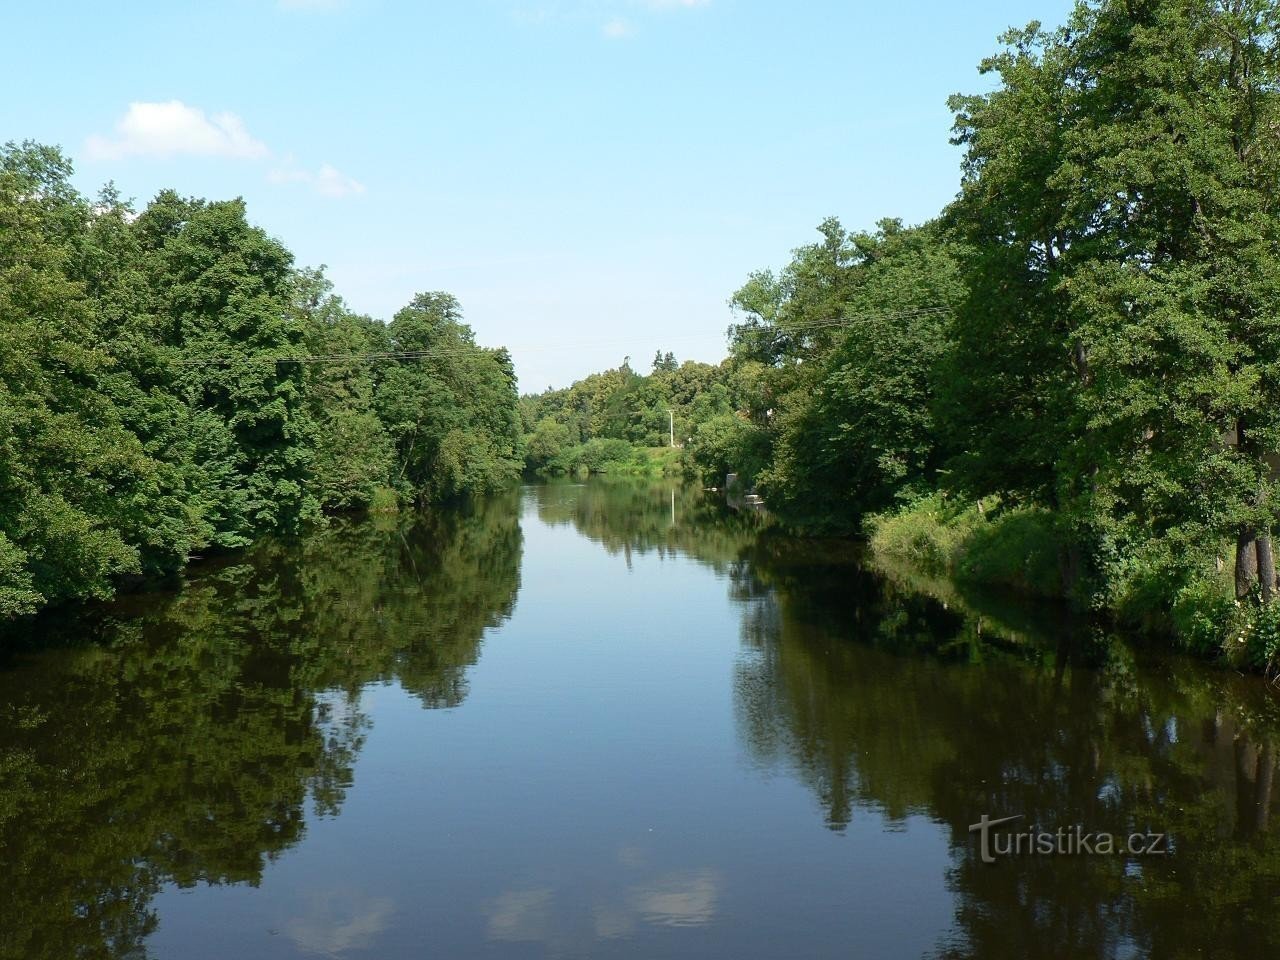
x,y
984,542
991,544
615,458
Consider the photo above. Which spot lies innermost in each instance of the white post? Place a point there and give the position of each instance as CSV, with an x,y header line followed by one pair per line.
x,y
672,416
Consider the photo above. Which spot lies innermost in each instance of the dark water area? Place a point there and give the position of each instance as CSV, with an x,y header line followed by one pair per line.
x,y
611,720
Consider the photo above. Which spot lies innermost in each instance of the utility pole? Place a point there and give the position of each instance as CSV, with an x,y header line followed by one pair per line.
x,y
671,415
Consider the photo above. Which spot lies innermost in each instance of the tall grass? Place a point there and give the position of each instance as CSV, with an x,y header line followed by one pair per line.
x,y
985,542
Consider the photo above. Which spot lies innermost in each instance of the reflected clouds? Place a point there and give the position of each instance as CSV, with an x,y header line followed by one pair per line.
x,y
565,920
679,900
522,915
337,921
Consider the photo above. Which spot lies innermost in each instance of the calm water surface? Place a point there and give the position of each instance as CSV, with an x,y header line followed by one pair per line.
x,y
606,720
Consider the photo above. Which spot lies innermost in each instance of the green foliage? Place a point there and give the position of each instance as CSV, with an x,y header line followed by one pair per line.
x,y
154,399
85,492
992,543
219,291
594,456
931,533
450,411
384,500
1090,331
1117,357
1017,548
1253,637
17,584
619,422
550,438
353,457
644,411
853,335
1205,615
729,443
616,458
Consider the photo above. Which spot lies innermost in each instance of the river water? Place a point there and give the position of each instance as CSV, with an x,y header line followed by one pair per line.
x,y
610,720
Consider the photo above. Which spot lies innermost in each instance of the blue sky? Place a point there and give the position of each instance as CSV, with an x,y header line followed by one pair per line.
x,y
592,178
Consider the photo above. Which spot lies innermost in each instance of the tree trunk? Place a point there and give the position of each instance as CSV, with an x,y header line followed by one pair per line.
x,y
1266,567
1246,562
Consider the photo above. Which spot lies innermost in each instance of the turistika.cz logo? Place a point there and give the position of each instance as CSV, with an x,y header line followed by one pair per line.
x,y
1065,841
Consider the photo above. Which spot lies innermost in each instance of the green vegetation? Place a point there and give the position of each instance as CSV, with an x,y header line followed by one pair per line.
x,y
170,383
1087,339
985,543
621,422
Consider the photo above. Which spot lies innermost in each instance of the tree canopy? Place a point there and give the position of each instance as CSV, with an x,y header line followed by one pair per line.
x,y
171,383
1086,339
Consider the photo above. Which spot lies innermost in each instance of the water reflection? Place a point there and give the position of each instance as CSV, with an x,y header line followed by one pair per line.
x,y
894,695
568,921
337,921
592,797
628,516
679,900
177,739
1065,726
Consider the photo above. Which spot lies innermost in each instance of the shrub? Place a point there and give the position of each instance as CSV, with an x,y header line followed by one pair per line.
x,y
1206,617
729,444
384,500
1019,548
929,532
1016,547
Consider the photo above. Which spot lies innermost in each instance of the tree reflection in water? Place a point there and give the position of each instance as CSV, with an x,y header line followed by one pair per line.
x,y
177,739
188,738
890,700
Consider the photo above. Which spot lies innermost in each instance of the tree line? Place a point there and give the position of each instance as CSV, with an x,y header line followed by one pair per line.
x,y
1069,379
172,383
598,424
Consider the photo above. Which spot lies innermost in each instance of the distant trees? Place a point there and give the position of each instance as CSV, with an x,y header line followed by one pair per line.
x,y
155,400
625,406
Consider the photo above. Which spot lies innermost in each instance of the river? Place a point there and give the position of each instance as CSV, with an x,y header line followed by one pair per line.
x,y
611,720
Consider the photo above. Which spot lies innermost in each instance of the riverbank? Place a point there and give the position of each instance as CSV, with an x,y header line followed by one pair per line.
x,y
1024,549
611,457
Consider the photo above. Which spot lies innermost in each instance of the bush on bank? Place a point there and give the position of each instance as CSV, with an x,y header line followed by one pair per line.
x,y
613,457
983,542
1022,548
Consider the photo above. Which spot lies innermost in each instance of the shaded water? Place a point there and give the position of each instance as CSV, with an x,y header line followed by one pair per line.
x,y
605,720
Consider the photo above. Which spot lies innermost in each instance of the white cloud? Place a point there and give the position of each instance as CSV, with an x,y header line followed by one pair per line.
x,y
327,181
172,128
617,28
339,920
